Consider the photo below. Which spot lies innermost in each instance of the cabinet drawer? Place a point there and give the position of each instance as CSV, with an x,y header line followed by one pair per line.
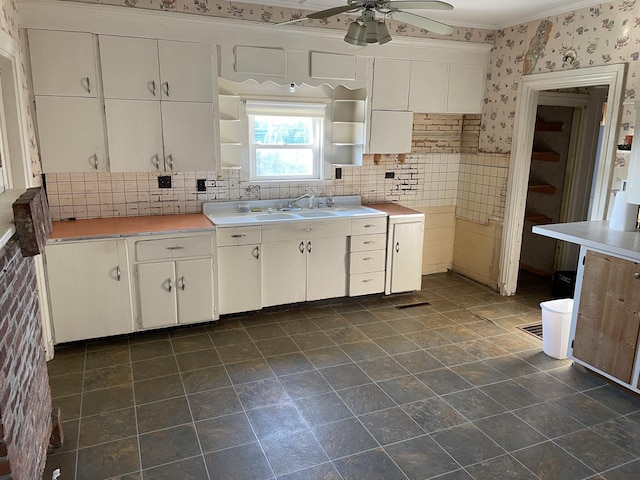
x,y
177,247
369,261
305,230
366,283
237,236
366,226
361,243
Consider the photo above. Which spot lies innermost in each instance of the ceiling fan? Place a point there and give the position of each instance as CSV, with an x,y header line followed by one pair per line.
x,y
366,29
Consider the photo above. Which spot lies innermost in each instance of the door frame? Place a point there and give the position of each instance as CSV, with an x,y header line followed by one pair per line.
x,y
520,160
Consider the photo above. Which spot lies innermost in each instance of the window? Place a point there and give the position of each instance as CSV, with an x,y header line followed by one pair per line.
x,y
285,140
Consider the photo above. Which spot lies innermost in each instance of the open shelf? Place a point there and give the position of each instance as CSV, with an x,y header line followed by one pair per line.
x,y
542,188
535,217
545,156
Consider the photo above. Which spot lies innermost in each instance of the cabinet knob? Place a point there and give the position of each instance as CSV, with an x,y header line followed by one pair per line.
x,y
166,88
169,284
94,160
183,283
153,87
169,161
256,253
397,247
118,273
156,158
309,247
301,247
636,276
87,82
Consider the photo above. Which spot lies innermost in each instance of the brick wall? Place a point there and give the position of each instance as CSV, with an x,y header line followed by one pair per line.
x,y
25,399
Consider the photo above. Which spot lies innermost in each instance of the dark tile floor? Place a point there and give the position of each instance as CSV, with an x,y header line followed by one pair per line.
x,y
345,390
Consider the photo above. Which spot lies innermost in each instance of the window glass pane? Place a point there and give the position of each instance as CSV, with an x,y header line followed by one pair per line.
x,y
276,130
272,162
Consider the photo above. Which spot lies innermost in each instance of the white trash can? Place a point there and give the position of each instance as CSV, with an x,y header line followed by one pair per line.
x,y
556,323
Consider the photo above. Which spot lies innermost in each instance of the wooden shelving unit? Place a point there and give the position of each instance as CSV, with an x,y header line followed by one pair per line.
x,y
535,217
544,188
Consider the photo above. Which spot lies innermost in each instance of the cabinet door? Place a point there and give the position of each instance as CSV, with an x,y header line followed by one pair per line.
x,y
134,135
428,90
89,289
390,132
239,279
466,88
129,67
157,294
187,130
391,84
608,322
186,71
71,134
326,268
63,63
406,261
284,272
194,286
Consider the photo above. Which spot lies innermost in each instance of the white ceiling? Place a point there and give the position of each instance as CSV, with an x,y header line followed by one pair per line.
x,y
489,14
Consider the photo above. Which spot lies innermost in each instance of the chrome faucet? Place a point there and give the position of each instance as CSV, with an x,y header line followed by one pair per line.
x,y
292,203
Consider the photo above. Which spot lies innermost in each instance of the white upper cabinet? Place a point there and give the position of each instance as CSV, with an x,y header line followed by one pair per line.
x,y
134,135
63,63
187,129
429,85
71,134
466,88
129,67
391,84
390,132
186,71
146,69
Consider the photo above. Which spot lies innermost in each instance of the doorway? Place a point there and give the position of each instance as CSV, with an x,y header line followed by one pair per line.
x,y
531,86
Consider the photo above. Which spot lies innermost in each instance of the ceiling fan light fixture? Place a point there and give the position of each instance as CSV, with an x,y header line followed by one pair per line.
x,y
355,34
383,34
371,31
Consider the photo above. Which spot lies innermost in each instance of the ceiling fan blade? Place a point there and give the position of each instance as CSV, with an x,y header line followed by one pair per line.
x,y
423,5
330,12
295,20
421,22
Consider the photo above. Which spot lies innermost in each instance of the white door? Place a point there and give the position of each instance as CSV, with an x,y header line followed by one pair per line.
x,y
194,286
63,63
406,262
129,67
134,135
239,281
187,129
391,84
466,88
157,294
284,272
71,134
326,268
89,289
428,90
186,71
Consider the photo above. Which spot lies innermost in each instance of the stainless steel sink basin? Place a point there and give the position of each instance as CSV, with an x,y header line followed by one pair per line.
x,y
274,216
315,214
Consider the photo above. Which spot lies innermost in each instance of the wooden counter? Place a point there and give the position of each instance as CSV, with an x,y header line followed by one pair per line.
x,y
129,226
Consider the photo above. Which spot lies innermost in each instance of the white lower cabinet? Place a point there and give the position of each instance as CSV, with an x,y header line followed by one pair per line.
x,y
404,253
304,261
367,255
173,288
89,289
239,269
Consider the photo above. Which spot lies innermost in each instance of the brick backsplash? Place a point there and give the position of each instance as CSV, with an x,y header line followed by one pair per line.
x,y
25,400
444,147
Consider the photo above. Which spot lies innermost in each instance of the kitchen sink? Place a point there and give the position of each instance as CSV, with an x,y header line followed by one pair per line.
x,y
315,214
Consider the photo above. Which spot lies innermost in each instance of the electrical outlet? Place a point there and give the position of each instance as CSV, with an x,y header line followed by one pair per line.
x,y
338,173
200,185
164,181
389,174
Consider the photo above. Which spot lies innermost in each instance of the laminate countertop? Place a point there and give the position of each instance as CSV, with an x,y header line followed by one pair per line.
x,y
129,226
393,209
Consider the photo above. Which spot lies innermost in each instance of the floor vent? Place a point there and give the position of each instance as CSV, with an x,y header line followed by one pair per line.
x,y
416,304
535,329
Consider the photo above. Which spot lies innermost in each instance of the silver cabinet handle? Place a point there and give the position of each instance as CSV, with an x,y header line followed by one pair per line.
x,y
367,280
177,247
309,247
636,276
367,258
308,229
368,242
397,247
301,247
238,235
169,161
166,88
157,161
94,160
182,283
88,84
153,87
170,283
118,273
256,253
369,225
